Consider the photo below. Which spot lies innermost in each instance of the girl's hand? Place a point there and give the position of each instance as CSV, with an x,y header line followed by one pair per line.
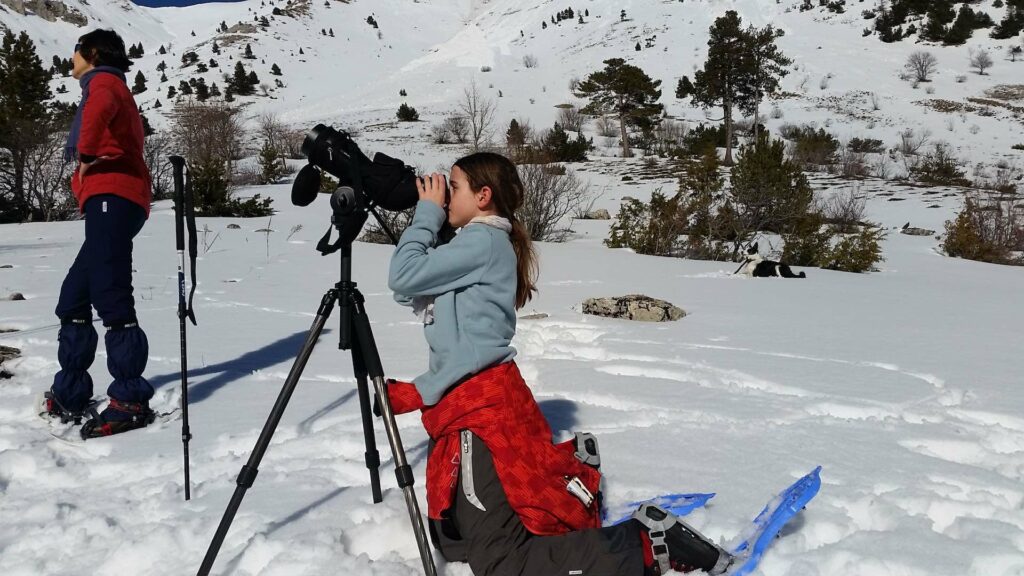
x,y
83,167
431,188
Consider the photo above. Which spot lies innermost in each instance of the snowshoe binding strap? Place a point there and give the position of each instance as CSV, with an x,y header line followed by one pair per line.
x,y
587,450
657,520
55,409
692,550
97,426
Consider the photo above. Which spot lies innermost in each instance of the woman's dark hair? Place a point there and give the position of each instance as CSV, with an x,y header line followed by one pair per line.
x,y
507,195
104,48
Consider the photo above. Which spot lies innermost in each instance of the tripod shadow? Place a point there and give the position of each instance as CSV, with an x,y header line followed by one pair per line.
x,y
232,565
306,426
232,370
560,414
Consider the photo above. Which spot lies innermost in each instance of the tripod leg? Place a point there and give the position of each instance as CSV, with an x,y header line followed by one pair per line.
x,y
372,455
403,472
247,475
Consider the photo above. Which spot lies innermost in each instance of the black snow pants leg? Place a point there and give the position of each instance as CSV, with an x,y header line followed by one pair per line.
x,y
482,529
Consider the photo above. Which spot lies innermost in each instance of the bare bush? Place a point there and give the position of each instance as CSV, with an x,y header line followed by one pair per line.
x,y
549,198
911,142
988,230
921,65
669,134
479,113
440,134
47,180
875,105
530,61
981,61
571,119
292,144
155,150
458,127
206,131
844,211
607,127
397,222
852,163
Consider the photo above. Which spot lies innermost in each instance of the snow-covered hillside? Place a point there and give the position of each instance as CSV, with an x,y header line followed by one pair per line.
x,y
433,49
903,384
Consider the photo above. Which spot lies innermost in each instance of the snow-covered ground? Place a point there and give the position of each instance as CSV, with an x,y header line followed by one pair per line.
x,y
903,384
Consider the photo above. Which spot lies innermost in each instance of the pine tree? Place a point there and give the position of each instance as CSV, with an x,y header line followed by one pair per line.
x,y
214,90
962,28
742,67
161,66
624,90
24,94
185,88
162,49
140,83
300,51
202,90
264,22
270,165
769,191
157,104
622,16
544,25
637,48
163,78
240,81
253,79
171,92
215,48
407,113
248,53
275,70
330,32
940,14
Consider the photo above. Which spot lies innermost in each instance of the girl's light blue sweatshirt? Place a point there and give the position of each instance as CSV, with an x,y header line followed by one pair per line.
x,y
473,282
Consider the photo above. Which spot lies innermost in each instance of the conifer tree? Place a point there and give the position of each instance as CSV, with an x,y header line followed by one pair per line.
x,y
140,83
24,96
626,91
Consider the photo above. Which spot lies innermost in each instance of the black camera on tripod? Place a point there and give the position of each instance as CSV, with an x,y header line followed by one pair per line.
x,y
363,184
384,181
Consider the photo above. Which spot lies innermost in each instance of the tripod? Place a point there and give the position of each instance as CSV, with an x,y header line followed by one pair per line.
x,y
355,335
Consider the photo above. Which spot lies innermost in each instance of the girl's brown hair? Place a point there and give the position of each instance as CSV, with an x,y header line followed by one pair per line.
x,y
500,175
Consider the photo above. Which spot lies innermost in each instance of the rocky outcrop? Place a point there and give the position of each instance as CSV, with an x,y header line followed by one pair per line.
x,y
49,10
633,307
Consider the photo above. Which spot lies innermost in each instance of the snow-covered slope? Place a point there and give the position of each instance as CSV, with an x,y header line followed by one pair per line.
x,y
903,384
433,49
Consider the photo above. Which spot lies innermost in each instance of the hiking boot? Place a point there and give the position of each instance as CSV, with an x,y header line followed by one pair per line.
x,y
116,418
53,408
671,544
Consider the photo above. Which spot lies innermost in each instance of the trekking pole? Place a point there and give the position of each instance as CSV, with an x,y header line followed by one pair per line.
x,y
183,206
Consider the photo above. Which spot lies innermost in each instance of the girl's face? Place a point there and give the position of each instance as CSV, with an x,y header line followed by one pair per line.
x,y
79,65
465,204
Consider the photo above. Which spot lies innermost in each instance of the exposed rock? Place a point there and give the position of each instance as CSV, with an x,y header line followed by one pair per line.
x,y
537,316
633,307
599,214
7,353
49,10
16,296
917,231
7,266
234,227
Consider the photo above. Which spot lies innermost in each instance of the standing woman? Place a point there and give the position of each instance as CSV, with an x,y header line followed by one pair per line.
x,y
112,186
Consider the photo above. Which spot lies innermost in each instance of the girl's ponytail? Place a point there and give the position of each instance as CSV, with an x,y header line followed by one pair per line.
x,y
526,263
498,172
